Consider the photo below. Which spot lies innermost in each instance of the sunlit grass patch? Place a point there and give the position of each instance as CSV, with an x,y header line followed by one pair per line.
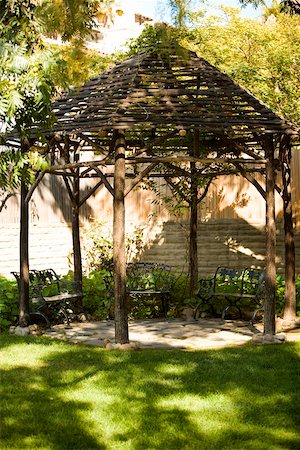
x,y
61,396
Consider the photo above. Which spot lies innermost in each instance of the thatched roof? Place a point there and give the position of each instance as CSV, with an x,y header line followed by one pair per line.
x,y
149,91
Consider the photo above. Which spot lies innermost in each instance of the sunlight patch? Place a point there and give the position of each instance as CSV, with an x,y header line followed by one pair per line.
x,y
179,369
191,403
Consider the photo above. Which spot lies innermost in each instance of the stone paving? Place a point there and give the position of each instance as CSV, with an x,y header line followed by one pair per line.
x,y
166,334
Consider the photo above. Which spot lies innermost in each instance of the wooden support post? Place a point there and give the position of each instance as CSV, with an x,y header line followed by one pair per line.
x,y
24,259
270,272
121,318
193,247
76,228
289,312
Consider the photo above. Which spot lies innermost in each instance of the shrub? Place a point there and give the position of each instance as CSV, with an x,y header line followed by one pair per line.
x,y
9,302
95,294
98,246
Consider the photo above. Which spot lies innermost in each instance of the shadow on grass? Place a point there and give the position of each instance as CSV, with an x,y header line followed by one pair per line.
x,y
58,396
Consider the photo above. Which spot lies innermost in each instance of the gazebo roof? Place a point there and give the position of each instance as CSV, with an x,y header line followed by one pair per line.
x,y
166,92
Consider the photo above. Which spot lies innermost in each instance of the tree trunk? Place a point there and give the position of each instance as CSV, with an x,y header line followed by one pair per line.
x,y
289,312
24,259
270,273
121,319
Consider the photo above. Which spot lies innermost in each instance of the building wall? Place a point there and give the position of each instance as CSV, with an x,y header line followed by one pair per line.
x,y
230,242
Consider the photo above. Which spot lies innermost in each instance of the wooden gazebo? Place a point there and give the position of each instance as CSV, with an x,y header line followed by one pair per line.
x,y
164,115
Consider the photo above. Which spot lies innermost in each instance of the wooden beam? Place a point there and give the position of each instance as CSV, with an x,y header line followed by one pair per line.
x,y
156,159
34,186
89,193
180,158
105,180
139,178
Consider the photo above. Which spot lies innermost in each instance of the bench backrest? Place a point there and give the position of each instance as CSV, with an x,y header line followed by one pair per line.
x,y
253,281
43,277
148,277
244,281
40,279
227,279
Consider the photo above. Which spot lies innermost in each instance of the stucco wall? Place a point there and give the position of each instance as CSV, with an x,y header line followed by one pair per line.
x,y
232,242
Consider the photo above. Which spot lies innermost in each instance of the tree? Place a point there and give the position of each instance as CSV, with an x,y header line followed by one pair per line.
x,y
31,72
263,59
30,76
15,168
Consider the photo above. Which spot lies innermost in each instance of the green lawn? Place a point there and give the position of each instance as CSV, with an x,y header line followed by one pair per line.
x,y
60,396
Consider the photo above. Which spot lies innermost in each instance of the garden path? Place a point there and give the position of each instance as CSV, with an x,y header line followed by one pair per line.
x,y
167,334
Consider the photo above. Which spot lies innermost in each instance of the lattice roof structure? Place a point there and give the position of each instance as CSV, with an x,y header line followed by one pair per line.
x,y
149,91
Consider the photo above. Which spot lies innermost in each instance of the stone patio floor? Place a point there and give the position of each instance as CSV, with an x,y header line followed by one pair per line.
x,y
166,334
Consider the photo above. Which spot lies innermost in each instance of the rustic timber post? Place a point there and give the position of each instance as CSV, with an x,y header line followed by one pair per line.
x,y
76,228
121,318
289,312
193,247
24,254
270,272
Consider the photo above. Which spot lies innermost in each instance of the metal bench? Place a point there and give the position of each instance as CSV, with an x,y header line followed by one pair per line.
x,y
50,295
145,281
234,286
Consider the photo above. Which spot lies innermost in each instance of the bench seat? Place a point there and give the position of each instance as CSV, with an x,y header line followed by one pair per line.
x,y
146,279
232,285
50,295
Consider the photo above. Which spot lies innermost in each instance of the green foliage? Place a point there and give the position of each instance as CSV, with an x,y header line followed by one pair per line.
x,y
159,38
179,294
181,11
25,20
95,295
98,246
16,167
69,18
149,306
265,59
26,87
73,58
19,23
31,74
9,302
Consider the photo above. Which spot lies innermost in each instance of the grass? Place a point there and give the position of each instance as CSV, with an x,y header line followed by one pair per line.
x,y
61,396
